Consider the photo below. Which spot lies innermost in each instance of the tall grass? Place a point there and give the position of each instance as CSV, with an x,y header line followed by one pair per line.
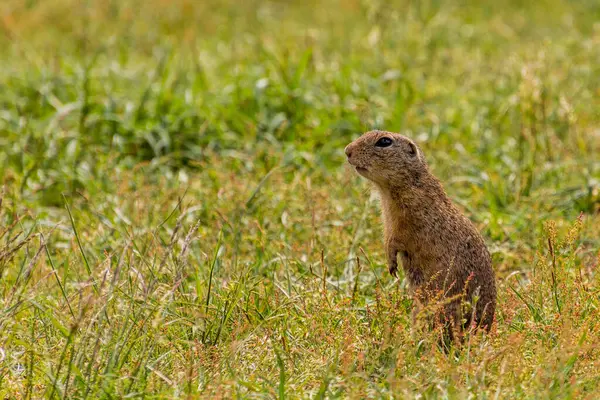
x,y
177,220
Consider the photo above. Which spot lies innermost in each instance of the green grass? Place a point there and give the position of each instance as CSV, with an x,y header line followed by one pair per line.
x,y
177,219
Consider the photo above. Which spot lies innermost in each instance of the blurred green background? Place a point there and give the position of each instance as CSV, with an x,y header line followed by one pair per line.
x,y
506,88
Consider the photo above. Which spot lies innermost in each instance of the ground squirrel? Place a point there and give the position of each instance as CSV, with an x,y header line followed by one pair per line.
x,y
441,251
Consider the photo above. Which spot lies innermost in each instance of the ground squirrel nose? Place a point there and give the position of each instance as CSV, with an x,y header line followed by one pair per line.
x,y
348,151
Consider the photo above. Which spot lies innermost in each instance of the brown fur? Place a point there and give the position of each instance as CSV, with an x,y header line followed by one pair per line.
x,y
441,251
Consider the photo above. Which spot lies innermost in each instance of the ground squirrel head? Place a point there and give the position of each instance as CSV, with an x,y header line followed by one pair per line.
x,y
388,159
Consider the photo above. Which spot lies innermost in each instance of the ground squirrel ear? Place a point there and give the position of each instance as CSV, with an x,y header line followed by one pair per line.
x,y
412,149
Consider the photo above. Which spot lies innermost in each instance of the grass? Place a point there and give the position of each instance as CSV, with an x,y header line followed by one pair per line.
x,y
177,219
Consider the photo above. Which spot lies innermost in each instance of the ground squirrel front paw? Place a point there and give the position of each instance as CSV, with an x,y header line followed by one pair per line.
x,y
393,268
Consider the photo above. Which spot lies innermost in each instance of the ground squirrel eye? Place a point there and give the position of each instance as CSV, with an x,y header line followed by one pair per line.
x,y
384,142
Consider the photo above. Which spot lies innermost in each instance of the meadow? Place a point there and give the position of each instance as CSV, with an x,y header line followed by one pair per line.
x,y
177,219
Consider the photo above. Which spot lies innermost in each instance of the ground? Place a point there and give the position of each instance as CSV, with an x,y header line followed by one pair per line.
x,y
178,220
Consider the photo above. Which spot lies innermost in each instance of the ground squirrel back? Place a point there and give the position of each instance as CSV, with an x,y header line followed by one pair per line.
x,y
442,252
